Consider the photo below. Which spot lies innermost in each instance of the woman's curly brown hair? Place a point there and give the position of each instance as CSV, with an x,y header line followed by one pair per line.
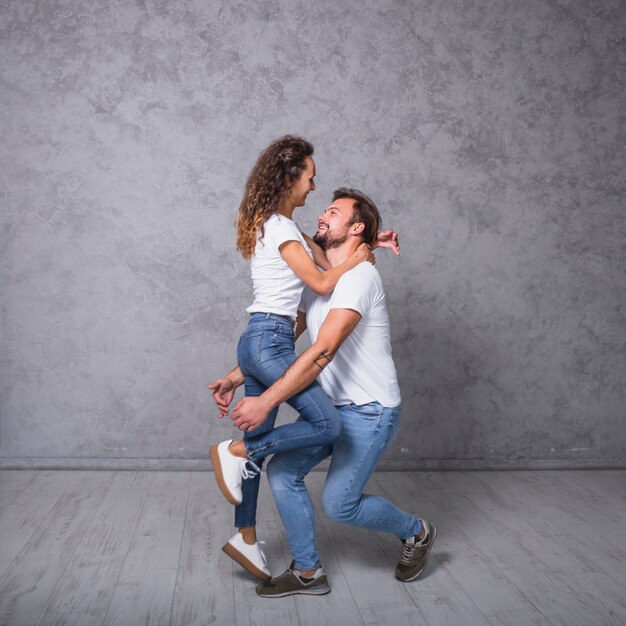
x,y
277,169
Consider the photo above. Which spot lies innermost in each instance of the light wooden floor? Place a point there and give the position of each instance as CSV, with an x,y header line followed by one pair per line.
x,y
545,547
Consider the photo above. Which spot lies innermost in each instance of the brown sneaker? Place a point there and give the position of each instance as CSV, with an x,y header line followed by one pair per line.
x,y
415,554
292,582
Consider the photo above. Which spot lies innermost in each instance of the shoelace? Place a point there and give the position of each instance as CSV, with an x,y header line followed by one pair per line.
x,y
249,473
407,552
286,573
408,549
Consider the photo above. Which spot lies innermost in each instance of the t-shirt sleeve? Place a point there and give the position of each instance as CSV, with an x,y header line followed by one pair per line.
x,y
285,230
355,290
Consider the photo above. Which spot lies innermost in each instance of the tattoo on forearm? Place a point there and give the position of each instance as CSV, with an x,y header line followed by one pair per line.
x,y
323,360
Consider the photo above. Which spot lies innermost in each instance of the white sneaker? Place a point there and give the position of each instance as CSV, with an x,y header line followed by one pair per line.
x,y
230,470
250,557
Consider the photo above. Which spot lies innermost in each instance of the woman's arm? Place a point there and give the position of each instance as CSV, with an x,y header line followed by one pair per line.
x,y
388,239
224,389
305,269
319,256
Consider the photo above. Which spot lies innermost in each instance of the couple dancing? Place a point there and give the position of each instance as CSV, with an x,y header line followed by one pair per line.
x,y
344,387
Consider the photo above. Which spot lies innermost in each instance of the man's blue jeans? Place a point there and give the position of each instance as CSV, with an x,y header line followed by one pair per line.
x,y
265,351
368,431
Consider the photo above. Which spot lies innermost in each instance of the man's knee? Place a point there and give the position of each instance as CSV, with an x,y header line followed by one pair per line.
x,y
337,508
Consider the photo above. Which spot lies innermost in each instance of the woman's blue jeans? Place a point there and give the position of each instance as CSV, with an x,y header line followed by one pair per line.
x,y
265,351
368,431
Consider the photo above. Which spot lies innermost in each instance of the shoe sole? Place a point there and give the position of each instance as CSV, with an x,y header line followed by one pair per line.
x,y
303,592
433,529
246,563
219,476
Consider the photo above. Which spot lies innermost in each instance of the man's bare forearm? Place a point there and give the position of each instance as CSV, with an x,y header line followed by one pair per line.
x,y
307,367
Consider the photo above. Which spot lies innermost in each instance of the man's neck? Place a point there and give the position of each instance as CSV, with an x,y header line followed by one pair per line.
x,y
340,254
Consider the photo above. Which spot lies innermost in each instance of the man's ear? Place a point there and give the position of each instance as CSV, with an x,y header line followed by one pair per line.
x,y
356,228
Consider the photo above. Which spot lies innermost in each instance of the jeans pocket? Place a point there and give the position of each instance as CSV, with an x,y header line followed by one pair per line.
x,y
370,411
249,350
284,330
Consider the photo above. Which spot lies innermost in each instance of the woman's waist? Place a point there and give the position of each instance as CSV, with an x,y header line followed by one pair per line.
x,y
268,321
256,316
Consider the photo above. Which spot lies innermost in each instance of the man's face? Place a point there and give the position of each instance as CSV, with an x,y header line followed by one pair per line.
x,y
304,185
333,225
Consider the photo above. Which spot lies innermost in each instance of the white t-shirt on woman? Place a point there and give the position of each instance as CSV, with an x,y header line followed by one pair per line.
x,y
276,288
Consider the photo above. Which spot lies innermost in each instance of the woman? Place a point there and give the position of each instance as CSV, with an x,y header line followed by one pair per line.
x,y
283,261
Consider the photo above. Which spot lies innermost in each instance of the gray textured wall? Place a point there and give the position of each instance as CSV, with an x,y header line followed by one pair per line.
x,y
490,133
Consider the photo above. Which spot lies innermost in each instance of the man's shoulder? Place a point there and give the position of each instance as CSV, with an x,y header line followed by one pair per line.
x,y
363,276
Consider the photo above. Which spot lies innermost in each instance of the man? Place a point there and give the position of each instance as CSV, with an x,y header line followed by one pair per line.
x,y
351,354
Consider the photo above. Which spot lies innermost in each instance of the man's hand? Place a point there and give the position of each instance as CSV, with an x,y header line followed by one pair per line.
x,y
388,239
223,394
250,413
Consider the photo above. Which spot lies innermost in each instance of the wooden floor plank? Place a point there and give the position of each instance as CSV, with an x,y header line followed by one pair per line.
x,y
578,523
85,589
554,541
27,584
145,587
250,609
543,547
524,568
440,597
204,585
584,502
604,489
490,589
13,483
20,519
380,597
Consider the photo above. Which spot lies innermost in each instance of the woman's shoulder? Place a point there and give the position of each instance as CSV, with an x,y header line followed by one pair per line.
x,y
282,225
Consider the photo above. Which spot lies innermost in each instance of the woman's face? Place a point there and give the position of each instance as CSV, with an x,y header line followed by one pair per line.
x,y
304,185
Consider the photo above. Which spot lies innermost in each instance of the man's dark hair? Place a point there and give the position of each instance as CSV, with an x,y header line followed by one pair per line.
x,y
365,211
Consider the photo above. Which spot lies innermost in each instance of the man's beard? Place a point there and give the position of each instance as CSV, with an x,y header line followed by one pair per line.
x,y
327,240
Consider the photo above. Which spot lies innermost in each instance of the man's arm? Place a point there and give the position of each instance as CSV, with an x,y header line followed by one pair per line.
x,y
251,412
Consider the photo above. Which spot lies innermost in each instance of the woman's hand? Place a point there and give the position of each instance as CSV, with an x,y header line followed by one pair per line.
x,y
388,239
223,393
364,253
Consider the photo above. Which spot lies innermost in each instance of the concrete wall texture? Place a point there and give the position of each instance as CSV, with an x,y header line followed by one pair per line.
x,y
491,134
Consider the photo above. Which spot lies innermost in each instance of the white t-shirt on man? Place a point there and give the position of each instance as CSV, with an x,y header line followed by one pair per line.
x,y
363,370
276,288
